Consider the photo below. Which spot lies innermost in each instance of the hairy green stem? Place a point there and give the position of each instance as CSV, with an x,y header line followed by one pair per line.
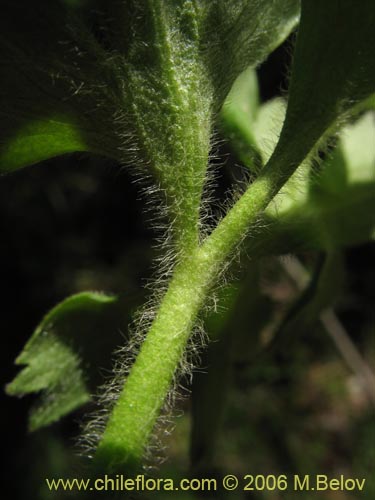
x,y
134,415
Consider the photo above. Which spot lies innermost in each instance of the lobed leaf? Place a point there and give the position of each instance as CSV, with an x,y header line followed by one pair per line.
x,y
54,366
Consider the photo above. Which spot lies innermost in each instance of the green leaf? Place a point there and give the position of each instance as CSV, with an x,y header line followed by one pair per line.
x,y
169,98
331,75
39,141
252,129
57,91
333,69
238,116
334,208
352,161
242,33
253,132
54,366
343,196
141,91
268,126
328,210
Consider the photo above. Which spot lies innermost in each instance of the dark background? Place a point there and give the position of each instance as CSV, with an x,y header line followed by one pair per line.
x,y
77,223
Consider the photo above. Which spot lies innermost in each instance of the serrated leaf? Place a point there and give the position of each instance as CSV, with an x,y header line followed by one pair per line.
x,y
54,362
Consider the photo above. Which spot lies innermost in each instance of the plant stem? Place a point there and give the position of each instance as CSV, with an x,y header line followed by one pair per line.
x,y
134,415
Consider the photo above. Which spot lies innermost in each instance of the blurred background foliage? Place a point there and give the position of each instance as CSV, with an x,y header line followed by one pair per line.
x,y
77,223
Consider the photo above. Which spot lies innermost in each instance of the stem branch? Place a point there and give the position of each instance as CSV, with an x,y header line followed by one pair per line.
x,y
151,376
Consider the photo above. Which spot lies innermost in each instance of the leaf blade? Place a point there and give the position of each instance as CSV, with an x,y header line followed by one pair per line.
x,y
40,141
52,366
330,74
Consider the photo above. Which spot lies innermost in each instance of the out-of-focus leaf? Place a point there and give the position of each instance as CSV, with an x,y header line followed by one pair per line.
x,y
327,210
321,292
337,207
39,141
253,132
268,125
252,129
238,116
55,363
342,198
352,161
